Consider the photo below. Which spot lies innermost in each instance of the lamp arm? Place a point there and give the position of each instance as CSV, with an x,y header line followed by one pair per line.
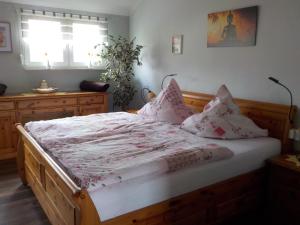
x,y
143,94
291,97
165,77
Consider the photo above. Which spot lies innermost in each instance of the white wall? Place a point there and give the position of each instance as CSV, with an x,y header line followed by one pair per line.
x,y
243,69
19,80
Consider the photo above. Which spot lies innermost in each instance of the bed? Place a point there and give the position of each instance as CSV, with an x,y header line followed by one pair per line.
x,y
209,200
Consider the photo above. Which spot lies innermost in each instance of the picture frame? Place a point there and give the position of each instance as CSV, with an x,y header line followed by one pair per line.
x,y
177,44
5,37
233,28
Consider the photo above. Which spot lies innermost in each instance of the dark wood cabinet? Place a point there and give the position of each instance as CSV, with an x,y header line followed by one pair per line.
x,y
284,191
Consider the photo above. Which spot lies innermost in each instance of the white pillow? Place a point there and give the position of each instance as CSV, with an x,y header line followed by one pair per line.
x,y
221,119
168,106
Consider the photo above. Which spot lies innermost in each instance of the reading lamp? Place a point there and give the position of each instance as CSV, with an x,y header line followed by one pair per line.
x,y
291,96
165,77
150,94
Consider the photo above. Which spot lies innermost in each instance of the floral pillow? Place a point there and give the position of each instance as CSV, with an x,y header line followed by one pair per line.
x,y
168,106
221,119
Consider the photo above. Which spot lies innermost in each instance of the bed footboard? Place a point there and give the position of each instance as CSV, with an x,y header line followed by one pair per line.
x,y
61,199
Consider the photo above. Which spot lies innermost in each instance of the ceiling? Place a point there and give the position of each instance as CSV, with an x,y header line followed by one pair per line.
x,y
118,7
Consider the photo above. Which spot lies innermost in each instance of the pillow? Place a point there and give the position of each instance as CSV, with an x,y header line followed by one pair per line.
x,y
168,106
221,119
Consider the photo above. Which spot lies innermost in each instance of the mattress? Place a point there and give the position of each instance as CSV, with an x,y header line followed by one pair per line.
x,y
249,155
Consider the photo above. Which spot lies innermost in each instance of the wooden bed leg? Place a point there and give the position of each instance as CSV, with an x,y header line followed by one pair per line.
x,y
21,160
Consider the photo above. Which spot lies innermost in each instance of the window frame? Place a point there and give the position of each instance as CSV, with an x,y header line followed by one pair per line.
x,y
68,55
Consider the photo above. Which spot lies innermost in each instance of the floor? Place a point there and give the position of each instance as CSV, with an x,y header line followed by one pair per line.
x,y
18,206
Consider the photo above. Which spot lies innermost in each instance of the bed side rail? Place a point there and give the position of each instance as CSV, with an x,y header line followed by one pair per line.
x,y
76,190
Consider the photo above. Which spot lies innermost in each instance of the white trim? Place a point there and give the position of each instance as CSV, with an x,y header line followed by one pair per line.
x,y
68,63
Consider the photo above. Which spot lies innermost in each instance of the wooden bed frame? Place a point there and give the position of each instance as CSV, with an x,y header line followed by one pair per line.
x,y
67,204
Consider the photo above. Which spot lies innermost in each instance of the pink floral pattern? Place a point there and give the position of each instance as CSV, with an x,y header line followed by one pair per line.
x,y
221,118
105,149
168,106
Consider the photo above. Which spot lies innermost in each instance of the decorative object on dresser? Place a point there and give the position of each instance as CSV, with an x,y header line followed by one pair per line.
x,y
63,200
119,57
284,190
93,86
44,89
28,107
2,89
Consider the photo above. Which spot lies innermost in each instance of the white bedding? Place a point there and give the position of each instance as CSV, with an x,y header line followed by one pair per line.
x,y
249,154
101,150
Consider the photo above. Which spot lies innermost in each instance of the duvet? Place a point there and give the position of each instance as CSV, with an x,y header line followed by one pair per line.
x,y
101,150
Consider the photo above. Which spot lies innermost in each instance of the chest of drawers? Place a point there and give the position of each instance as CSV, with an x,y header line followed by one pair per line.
x,y
23,108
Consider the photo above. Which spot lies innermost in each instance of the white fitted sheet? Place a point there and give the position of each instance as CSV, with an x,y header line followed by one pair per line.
x,y
249,154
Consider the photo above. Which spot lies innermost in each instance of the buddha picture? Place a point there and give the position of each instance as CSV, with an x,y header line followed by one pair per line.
x,y
232,28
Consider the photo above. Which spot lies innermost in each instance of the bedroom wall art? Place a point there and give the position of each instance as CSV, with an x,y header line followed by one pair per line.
x,y
177,44
230,28
5,37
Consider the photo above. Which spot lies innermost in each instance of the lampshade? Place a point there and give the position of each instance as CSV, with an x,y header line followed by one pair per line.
x,y
151,96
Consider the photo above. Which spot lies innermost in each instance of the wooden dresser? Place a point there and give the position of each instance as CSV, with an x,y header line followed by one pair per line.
x,y
22,108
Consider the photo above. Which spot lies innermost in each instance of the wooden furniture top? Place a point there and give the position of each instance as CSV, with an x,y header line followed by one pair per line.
x,y
22,96
274,117
285,162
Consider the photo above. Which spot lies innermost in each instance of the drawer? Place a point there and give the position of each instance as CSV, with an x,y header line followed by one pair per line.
x,y
237,188
7,106
286,196
285,177
43,103
97,99
192,212
91,109
25,116
244,203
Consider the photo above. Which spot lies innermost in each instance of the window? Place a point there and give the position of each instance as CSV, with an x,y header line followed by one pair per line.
x,y
61,41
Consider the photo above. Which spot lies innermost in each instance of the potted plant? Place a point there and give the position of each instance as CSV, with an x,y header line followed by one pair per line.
x,y
119,58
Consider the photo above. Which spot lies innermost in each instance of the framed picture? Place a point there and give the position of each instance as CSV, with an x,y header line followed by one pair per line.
x,y
232,28
5,37
177,44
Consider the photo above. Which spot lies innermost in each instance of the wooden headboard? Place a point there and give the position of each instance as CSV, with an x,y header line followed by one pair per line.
x,y
274,117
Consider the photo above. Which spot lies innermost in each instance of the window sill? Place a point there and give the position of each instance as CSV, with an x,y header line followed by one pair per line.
x,y
62,68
